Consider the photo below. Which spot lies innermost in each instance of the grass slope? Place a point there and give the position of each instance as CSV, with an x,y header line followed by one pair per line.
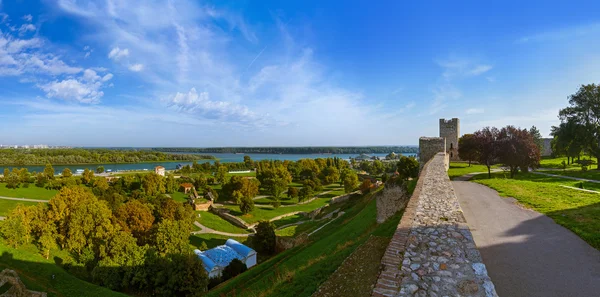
x,y
32,192
6,206
300,271
576,210
36,273
215,222
459,169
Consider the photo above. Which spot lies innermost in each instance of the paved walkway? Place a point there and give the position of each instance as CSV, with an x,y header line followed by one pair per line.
x,y
24,199
527,253
206,230
568,177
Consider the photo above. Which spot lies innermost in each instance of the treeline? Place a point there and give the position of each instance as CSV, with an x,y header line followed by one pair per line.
x,y
579,130
23,157
295,150
515,148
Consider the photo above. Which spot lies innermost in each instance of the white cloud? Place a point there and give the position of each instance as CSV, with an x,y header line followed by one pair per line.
x,y
475,111
136,67
107,77
72,89
26,27
117,53
27,18
51,65
462,67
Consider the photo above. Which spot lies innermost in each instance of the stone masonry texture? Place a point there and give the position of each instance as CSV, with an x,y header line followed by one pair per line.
x,y
450,130
429,147
432,252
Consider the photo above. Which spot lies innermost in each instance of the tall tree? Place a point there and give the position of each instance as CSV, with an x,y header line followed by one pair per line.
x,y
467,148
584,109
100,169
172,237
137,218
49,171
487,146
221,174
537,137
153,184
350,180
264,240
408,167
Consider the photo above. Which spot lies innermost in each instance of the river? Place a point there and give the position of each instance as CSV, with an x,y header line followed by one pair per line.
x,y
171,165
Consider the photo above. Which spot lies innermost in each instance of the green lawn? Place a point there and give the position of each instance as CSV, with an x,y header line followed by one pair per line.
x,y
32,192
289,220
576,210
6,206
459,169
299,271
215,222
259,214
547,162
179,196
589,174
213,240
295,230
36,273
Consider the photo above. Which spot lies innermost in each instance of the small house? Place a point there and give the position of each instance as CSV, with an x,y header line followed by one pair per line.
x,y
187,187
159,170
216,259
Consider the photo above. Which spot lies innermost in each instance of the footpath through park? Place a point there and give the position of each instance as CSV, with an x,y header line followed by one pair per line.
x,y
527,253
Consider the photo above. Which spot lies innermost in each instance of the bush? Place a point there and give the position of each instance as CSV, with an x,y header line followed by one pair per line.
x,y
234,268
365,187
246,205
264,241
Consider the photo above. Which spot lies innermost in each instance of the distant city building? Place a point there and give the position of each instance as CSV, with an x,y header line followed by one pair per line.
x,y
159,170
216,259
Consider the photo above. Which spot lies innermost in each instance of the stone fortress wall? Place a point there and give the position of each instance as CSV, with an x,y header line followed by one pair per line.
x,y
450,130
432,252
429,147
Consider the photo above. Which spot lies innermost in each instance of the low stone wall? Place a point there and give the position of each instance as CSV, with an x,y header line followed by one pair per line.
x,y
224,213
389,201
432,252
342,198
285,243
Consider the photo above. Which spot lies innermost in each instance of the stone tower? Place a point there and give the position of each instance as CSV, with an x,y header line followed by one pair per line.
x,y
450,130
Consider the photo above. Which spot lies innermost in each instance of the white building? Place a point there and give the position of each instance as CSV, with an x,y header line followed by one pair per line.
x,y
159,170
216,259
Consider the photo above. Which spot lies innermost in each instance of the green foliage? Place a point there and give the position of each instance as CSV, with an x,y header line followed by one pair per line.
x,y
350,180
467,148
264,239
305,193
234,268
292,192
153,184
49,171
67,173
221,174
408,167
246,205
171,237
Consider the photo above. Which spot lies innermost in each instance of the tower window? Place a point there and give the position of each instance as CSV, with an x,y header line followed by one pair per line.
x,y
451,145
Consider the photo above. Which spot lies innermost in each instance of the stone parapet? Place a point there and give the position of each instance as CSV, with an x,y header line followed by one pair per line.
x,y
432,252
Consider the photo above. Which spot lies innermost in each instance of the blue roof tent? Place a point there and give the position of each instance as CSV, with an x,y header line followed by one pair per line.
x,y
209,265
241,249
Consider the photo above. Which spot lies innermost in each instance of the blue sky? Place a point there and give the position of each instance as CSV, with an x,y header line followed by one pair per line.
x,y
283,73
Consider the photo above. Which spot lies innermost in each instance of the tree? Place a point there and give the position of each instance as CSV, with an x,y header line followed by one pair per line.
x,y
246,205
408,167
584,109
237,197
248,162
6,173
487,146
350,179
100,169
365,186
264,239
153,184
137,218
90,224
172,237
170,184
49,171
87,176
12,180
305,193
101,185
569,139
233,269
66,173
292,192
40,180
467,148
517,149
537,138
221,174
63,205
376,167
17,227
330,174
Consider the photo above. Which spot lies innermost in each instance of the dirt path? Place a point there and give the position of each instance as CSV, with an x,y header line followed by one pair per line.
x,y
24,199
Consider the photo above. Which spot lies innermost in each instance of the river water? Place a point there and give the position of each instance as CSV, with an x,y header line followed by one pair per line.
x,y
222,157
